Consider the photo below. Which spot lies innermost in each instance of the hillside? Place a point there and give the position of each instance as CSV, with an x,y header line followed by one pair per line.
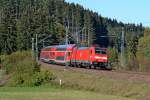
x,y
20,20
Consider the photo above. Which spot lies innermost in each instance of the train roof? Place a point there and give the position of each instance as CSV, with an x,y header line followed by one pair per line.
x,y
82,48
71,46
61,46
65,46
47,47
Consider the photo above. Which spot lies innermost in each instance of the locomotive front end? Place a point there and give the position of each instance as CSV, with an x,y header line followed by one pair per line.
x,y
100,58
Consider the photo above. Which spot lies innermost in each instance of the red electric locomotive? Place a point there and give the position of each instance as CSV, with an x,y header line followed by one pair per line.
x,y
76,56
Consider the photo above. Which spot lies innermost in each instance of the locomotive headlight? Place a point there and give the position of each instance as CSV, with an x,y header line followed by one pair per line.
x,y
105,58
97,57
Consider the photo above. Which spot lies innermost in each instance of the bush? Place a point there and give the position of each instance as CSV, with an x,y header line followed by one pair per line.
x,y
113,56
43,77
9,62
36,79
26,66
17,80
143,53
24,71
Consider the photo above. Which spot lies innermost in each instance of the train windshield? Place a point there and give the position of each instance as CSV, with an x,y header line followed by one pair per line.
x,y
100,51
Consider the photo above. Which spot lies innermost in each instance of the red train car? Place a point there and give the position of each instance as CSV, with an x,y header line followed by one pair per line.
x,y
63,53
75,56
57,54
48,54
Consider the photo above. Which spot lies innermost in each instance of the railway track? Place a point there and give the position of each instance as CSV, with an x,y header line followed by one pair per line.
x,y
114,74
132,72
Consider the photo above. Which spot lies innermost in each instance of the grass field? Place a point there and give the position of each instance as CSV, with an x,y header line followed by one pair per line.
x,y
102,84
43,93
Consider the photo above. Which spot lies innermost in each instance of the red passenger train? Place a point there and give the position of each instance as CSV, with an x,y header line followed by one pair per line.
x,y
75,56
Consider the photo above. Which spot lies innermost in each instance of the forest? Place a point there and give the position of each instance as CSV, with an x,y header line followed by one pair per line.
x,y
21,20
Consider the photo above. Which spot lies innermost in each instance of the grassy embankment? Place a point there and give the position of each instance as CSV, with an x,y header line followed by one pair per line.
x,y
102,84
75,85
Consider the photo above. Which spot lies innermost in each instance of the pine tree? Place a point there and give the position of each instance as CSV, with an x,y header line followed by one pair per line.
x,y
8,28
87,35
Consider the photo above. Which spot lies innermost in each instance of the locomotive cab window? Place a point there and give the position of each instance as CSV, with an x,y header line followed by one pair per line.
x,y
99,51
90,51
69,53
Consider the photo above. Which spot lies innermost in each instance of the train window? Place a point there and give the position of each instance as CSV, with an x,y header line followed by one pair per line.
x,y
90,51
51,53
61,49
99,51
69,53
60,58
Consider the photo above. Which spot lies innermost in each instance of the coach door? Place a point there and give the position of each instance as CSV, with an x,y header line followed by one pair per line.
x,y
60,54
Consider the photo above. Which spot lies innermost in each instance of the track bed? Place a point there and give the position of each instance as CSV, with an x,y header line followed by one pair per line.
x,y
119,75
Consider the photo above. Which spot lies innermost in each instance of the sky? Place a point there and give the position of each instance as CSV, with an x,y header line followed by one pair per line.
x,y
127,11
